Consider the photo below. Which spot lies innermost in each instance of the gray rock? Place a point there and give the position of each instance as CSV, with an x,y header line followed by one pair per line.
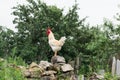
x,y
66,67
48,73
35,72
113,66
51,77
33,64
45,78
26,73
96,76
58,59
118,68
56,67
45,64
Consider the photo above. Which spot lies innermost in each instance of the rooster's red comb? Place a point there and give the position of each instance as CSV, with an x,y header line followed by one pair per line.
x,y
48,31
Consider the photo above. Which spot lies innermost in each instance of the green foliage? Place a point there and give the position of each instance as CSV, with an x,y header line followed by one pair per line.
x,y
109,76
8,72
16,61
94,45
33,19
6,41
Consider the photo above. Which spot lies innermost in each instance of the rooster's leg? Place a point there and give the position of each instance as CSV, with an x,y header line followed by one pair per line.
x,y
55,53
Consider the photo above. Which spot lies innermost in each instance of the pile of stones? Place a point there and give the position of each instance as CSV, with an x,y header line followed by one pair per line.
x,y
57,69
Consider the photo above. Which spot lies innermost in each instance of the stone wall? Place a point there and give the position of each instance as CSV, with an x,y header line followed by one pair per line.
x,y
57,69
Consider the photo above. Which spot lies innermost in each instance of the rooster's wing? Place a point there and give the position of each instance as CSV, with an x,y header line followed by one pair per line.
x,y
55,43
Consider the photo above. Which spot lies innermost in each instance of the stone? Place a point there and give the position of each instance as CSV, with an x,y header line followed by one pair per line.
x,y
67,76
48,73
33,64
113,66
100,77
46,64
35,72
58,59
22,68
96,76
56,67
45,78
66,67
26,73
118,68
93,77
74,77
52,77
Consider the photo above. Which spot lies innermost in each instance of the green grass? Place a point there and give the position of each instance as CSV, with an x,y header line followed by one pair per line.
x,y
10,73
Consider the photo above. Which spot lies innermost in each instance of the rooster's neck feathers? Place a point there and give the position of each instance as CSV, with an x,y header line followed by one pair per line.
x,y
51,36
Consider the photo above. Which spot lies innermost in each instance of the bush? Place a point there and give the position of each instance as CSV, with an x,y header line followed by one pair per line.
x,y
10,73
109,76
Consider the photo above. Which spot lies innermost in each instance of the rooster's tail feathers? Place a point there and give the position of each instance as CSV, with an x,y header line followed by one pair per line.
x,y
62,40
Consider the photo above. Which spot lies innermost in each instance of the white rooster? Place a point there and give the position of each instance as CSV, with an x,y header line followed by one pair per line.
x,y
55,44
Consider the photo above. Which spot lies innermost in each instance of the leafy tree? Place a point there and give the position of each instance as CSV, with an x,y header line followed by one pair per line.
x,y
33,19
6,41
93,45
